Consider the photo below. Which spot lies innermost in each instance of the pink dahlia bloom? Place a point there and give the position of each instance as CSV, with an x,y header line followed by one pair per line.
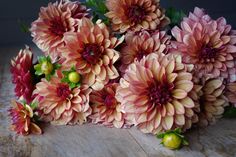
x,y
106,109
135,15
21,67
208,44
55,20
61,105
91,51
21,119
143,43
154,93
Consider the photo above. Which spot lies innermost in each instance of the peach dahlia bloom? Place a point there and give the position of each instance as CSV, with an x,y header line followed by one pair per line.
x,y
22,77
142,43
209,100
61,105
54,20
154,93
21,116
206,43
106,109
91,51
135,15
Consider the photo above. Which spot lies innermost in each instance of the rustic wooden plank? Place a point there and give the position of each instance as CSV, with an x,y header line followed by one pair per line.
x,y
218,140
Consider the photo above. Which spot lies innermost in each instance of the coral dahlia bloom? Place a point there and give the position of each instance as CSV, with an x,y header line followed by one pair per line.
x,y
91,51
61,105
154,93
21,67
206,43
106,109
135,15
54,20
231,93
21,119
141,44
209,101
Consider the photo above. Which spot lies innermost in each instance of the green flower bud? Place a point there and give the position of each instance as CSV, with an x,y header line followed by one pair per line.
x,y
74,77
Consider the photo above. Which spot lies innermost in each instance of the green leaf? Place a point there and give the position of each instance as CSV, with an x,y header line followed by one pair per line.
x,y
57,66
185,142
38,72
175,15
33,105
48,77
160,135
72,85
23,27
230,112
37,67
98,9
42,59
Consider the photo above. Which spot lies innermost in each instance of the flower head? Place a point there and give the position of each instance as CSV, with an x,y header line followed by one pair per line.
x,y
62,105
154,93
21,116
55,20
142,43
91,51
208,95
208,44
22,77
106,109
135,15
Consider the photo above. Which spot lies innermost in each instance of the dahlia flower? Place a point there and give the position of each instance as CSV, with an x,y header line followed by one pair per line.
x,y
91,51
206,43
209,100
141,44
21,67
21,116
61,105
54,20
135,15
106,109
154,93
231,93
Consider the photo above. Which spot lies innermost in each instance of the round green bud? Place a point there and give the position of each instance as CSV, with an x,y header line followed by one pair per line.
x,y
74,77
172,141
46,67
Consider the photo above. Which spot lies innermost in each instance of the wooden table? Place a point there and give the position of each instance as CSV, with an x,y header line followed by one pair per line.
x,y
97,141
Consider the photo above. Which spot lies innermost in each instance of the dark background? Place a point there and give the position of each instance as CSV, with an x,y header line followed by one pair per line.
x,y
13,11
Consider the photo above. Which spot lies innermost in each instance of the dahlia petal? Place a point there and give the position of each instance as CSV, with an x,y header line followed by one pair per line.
x,y
179,108
35,129
184,85
179,94
187,102
170,109
168,122
179,119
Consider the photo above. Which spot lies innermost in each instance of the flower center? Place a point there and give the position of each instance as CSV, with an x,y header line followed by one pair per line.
x,y
57,27
141,54
63,91
136,14
160,93
109,100
91,53
207,53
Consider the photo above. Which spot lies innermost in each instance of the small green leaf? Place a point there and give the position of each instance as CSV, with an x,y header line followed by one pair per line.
x,y
57,66
185,142
230,112
48,77
23,27
160,135
33,105
175,15
41,59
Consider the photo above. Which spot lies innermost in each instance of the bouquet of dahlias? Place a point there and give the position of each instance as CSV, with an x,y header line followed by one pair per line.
x,y
124,63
